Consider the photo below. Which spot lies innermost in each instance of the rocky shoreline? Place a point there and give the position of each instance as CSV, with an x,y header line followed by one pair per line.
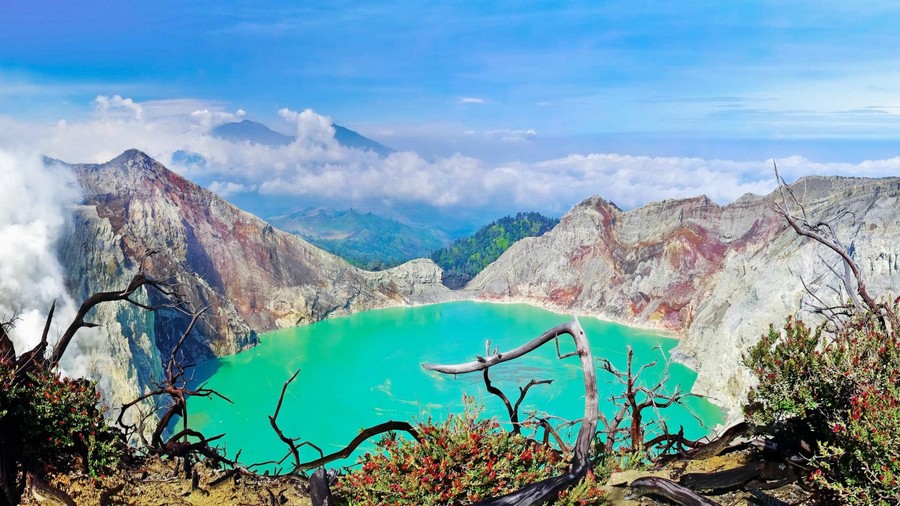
x,y
717,276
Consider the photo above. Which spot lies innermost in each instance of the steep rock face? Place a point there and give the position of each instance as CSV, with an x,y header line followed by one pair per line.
x,y
418,280
254,278
122,353
716,275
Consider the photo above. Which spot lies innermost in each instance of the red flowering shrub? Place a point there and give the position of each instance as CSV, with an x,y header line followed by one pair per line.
x,y
56,421
842,389
458,461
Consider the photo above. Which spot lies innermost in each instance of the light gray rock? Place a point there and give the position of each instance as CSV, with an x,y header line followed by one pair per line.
x,y
715,275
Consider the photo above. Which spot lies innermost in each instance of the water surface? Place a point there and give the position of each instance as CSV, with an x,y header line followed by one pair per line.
x,y
365,369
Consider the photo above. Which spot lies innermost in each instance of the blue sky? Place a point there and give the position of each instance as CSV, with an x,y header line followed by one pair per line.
x,y
503,82
722,69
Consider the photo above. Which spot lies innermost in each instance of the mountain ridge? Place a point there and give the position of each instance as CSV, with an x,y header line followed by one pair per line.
x,y
254,278
259,133
715,275
367,240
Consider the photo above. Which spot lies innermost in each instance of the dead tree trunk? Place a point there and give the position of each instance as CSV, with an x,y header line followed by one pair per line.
x,y
823,233
633,401
14,463
548,489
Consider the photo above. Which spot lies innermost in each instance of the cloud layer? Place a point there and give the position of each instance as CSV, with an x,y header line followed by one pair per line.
x,y
316,167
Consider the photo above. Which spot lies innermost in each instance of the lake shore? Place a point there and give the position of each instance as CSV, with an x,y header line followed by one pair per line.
x,y
380,352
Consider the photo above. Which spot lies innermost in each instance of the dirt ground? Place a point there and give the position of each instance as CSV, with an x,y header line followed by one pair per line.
x,y
618,493
155,482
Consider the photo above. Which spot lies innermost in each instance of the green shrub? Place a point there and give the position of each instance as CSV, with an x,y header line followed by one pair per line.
x,y
842,390
56,421
458,461
468,256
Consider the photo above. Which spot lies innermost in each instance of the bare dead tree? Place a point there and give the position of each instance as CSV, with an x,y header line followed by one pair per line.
x,y
295,444
548,489
176,387
43,359
633,401
822,231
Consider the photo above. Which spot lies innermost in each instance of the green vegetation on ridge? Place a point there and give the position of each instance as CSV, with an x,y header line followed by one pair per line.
x,y
468,256
366,240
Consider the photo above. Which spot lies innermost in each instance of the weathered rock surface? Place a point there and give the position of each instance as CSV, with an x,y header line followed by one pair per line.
x,y
716,275
254,278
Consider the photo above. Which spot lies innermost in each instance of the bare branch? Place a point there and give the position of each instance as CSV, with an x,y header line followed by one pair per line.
x,y
548,489
358,440
513,416
273,421
43,343
510,408
803,227
499,358
294,447
550,431
523,391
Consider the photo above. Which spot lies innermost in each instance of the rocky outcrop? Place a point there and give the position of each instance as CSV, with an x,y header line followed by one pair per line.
x,y
253,277
715,275
419,281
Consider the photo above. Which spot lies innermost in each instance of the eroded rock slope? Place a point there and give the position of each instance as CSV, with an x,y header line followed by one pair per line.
x,y
254,278
716,275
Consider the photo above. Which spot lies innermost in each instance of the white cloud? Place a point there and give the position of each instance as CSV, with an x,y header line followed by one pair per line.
x,y
313,131
316,166
209,119
32,218
116,105
471,100
228,188
508,135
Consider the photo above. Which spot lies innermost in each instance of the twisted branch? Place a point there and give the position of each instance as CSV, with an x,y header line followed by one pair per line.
x,y
548,489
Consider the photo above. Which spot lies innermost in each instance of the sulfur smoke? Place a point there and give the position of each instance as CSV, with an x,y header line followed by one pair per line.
x,y
35,203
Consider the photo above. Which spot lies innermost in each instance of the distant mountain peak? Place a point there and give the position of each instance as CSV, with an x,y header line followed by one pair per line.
x,y
132,154
252,132
351,139
258,133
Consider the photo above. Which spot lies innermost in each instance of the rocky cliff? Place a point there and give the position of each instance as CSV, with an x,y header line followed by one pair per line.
x,y
254,278
715,275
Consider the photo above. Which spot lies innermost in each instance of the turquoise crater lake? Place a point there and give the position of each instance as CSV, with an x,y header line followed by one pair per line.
x,y
365,369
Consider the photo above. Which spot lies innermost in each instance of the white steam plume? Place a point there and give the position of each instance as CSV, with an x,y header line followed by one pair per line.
x,y
33,210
